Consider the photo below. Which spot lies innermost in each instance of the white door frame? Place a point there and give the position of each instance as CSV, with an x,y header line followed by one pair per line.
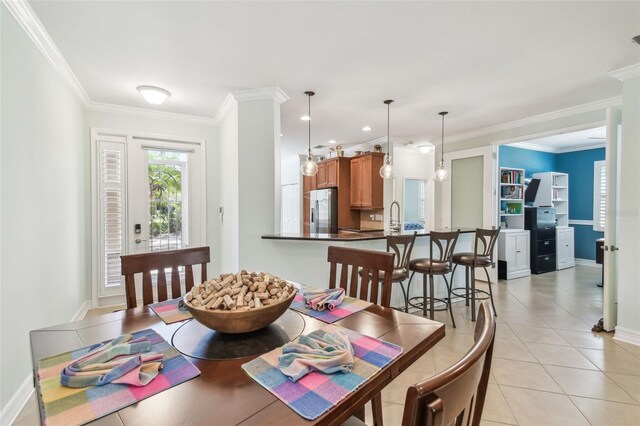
x,y
489,171
97,134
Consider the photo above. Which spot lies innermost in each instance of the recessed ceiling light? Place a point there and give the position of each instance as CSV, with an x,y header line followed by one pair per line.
x,y
154,95
425,148
305,118
332,141
281,134
366,129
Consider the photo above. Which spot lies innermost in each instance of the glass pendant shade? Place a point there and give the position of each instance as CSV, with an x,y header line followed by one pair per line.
x,y
441,174
386,171
309,167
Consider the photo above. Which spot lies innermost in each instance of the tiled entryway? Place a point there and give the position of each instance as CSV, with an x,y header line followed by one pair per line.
x,y
548,368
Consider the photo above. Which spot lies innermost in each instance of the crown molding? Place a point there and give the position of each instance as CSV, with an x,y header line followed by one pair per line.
x,y
552,150
228,105
567,112
274,93
149,113
28,20
626,73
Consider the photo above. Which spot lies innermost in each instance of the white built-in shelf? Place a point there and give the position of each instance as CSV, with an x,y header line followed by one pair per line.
x,y
511,192
554,191
558,187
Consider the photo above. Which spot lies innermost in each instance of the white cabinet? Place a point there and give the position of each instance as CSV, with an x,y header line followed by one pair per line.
x,y
513,254
554,192
565,257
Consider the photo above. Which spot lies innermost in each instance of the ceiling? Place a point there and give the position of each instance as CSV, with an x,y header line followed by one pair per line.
x,y
563,142
485,62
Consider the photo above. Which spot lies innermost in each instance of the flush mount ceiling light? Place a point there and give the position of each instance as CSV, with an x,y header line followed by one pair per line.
x,y
332,141
309,167
425,148
305,117
366,129
442,174
154,95
386,171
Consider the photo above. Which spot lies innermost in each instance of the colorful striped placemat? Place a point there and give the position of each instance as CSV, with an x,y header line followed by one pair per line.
x,y
316,392
170,311
349,306
75,406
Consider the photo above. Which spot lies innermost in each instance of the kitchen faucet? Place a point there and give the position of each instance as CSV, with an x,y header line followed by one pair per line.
x,y
394,224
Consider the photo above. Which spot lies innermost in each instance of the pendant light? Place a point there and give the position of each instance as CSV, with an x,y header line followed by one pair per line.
x,y
442,174
309,167
386,171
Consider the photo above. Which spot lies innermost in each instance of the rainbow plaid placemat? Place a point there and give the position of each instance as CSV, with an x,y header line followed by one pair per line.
x,y
349,306
74,406
170,311
316,392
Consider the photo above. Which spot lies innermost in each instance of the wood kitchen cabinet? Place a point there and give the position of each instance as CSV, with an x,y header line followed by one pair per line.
x,y
366,182
327,176
332,173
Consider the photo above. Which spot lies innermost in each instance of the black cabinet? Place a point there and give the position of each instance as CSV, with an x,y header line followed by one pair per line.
x,y
541,223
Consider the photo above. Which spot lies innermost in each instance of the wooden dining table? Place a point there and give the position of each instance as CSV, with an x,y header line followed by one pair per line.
x,y
223,394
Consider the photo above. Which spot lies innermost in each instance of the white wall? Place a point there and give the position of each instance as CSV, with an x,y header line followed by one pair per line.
x,y
628,216
210,134
44,272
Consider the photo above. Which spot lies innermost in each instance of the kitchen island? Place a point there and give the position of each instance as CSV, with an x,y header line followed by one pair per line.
x,y
302,257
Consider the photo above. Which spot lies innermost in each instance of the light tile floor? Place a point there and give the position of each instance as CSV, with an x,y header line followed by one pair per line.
x,y
548,368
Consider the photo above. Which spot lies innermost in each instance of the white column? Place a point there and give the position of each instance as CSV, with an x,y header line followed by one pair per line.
x,y
249,175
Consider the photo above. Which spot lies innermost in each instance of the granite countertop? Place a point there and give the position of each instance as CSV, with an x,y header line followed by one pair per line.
x,y
355,236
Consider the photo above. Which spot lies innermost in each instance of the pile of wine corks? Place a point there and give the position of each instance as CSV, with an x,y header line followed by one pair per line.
x,y
242,291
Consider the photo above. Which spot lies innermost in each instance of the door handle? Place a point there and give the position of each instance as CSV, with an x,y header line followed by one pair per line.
x,y
138,240
614,248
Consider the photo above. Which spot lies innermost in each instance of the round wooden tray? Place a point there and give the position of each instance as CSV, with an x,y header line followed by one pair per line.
x,y
195,340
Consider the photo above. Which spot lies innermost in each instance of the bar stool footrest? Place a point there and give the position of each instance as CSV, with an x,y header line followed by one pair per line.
x,y
464,295
417,303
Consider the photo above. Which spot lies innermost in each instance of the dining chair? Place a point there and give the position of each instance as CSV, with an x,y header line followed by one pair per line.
x,y
456,395
401,245
146,263
482,257
377,272
441,247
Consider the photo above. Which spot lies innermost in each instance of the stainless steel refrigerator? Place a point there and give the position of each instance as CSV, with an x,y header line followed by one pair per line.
x,y
324,211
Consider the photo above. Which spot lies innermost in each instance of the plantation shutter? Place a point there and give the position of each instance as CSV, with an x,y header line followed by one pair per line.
x,y
599,195
112,196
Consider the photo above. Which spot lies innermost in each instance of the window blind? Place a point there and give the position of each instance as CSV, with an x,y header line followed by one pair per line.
x,y
599,195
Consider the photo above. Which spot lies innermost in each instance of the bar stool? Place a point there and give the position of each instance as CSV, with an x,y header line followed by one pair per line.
x,y
401,245
482,257
434,265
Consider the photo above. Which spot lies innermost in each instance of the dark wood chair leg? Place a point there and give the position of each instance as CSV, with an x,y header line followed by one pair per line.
x,y
376,408
360,414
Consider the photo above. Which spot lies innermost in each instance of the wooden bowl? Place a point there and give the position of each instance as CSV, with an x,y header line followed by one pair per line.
x,y
235,322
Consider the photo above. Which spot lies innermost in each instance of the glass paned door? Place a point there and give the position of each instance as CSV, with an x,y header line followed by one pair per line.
x,y
168,207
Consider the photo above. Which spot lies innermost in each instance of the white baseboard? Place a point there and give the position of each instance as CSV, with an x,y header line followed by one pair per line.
x,y
627,335
587,262
82,311
17,402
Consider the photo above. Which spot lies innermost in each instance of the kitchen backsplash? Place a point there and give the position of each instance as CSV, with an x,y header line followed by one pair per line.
x,y
371,219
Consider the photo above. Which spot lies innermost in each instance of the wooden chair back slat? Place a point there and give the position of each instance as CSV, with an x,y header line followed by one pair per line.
x,y
456,396
162,286
370,261
145,263
175,282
